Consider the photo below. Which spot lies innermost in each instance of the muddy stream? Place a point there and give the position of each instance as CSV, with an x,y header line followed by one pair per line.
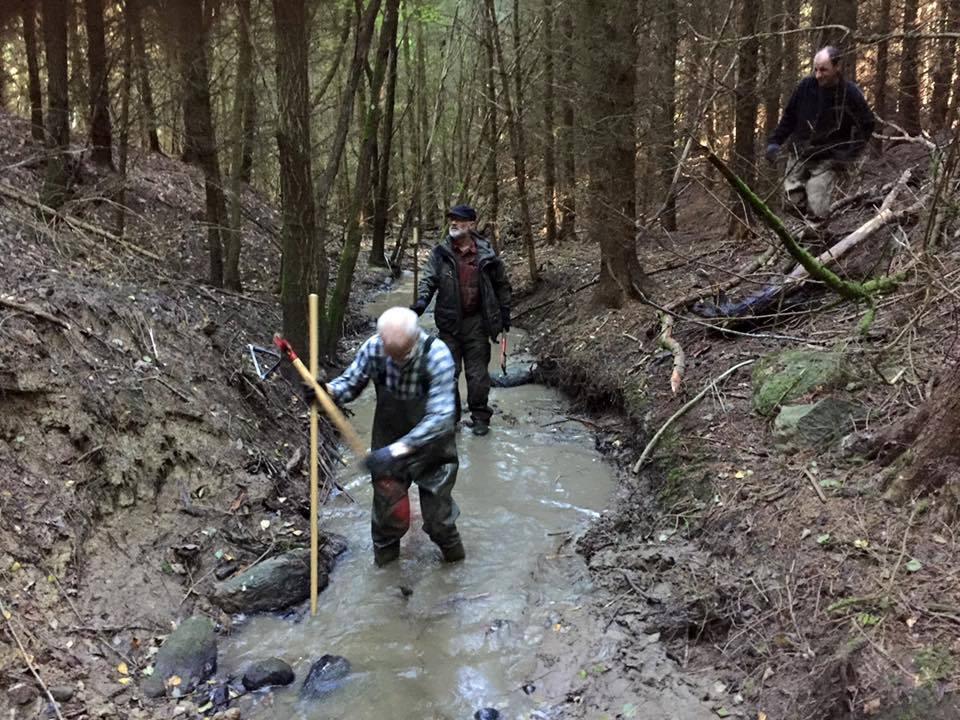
x,y
427,640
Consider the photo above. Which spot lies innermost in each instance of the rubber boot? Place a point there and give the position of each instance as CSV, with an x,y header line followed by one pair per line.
x,y
387,554
453,553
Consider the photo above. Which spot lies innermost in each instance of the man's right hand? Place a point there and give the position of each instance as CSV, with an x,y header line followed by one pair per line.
x,y
419,307
772,151
310,395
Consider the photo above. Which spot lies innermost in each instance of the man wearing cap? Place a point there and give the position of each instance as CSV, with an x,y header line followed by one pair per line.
x,y
473,305
830,123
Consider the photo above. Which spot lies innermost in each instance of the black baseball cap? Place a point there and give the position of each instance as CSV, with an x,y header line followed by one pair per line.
x,y
462,212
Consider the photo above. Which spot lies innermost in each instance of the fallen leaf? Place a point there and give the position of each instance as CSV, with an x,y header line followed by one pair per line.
x,y
871,707
740,475
911,622
125,680
862,544
264,524
761,715
173,681
939,539
123,669
7,614
722,712
205,707
823,539
805,533
147,671
15,566
914,566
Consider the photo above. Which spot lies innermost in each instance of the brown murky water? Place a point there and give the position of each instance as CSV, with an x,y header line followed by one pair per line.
x,y
466,637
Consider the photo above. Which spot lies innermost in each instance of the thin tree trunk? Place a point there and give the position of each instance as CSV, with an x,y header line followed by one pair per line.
x,y
199,134
250,115
883,60
773,61
745,110
28,15
386,145
549,129
568,167
124,140
326,184
492,130
908,94
303,264
361,191
54,190
517,145
666,24
428,202
837,12
946,62
244,88
101,134
791,49
133,8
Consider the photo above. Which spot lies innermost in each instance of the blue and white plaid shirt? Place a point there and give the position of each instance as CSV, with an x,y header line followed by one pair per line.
x,y
406,382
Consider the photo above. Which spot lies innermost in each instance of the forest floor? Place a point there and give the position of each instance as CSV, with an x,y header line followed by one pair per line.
x,y
139,455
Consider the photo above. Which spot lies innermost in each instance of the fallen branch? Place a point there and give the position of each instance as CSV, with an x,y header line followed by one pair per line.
x,y
37,312
16,638
73,222
751,267
673,418
666,340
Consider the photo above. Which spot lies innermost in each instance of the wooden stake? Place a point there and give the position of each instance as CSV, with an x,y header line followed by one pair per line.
x,y
416,261
314,305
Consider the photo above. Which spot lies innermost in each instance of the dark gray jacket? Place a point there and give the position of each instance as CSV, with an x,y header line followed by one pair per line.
x,y
439,275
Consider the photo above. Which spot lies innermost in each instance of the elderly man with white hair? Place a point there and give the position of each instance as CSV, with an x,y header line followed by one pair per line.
x,y
413,432
830,123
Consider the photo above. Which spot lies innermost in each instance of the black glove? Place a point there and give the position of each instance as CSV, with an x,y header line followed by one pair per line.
x,y
772,151
380,462
310,395
505,318
419,307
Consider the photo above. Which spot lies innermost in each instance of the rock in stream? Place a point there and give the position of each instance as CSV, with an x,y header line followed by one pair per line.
x,y
325,676
189,653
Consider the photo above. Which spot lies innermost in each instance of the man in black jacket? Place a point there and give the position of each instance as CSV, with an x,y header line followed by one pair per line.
x,y
830,123
473,305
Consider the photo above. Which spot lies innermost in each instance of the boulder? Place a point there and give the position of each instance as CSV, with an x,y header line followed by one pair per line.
x,y
785,376
279,582
816,425
272,671
189,653
326,675
22,693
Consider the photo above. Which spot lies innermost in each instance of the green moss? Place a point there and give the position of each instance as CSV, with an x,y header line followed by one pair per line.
x,y
783,377
934,663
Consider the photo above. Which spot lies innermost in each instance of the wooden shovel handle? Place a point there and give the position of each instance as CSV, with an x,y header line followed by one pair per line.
x,y
329,407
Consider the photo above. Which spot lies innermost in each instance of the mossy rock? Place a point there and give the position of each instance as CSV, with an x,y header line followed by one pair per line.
x,y
791,374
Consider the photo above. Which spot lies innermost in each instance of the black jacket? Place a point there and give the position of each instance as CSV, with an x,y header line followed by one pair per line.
x,y
826,123
439,275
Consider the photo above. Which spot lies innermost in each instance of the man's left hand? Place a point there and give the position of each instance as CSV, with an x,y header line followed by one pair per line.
x,y
385,459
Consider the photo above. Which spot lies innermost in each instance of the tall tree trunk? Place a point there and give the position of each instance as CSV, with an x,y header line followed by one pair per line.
x,y
773,64
492,131
607,82
54,190
883,60
549,129
28,16
101,136
303,262
428,203
908,94
791,49
326,184
568,167
244,88
666,25
361,190
199,134
745,109
134,8
517,144
386,144
124,141
946,63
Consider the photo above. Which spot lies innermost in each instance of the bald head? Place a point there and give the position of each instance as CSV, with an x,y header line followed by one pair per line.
x,y
826,66
398,329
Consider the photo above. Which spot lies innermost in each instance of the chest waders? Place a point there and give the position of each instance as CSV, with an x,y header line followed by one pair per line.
x,y
433,468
